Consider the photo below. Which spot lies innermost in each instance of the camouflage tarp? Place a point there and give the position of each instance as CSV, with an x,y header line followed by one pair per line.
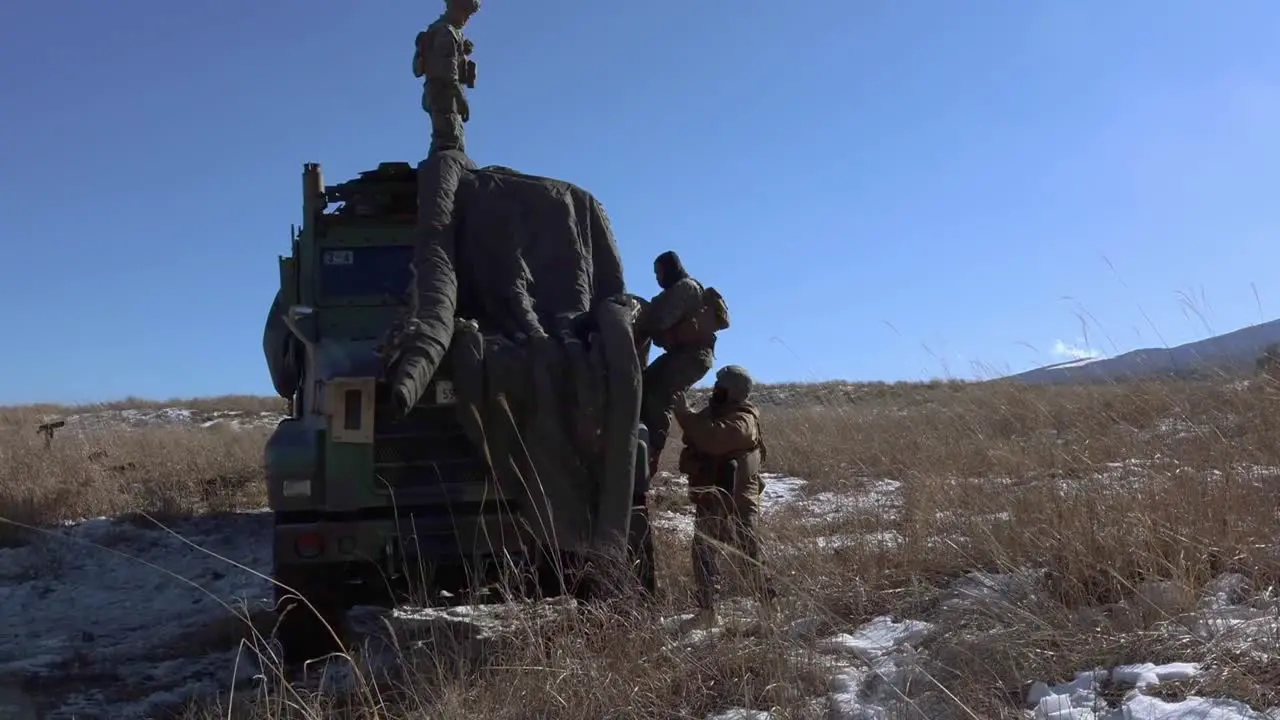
x,y
547,375
281,349
520,279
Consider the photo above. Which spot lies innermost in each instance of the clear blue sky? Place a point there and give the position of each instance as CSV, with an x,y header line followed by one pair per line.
x,y
882,190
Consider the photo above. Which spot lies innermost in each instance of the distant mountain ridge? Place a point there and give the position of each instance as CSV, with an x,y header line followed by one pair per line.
x,y
1230,353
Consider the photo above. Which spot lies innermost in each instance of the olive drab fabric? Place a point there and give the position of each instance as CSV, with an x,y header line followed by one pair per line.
x,y
282,351
672,372
521,299
666,321
442,59
699,328
679,299
722,454
715,311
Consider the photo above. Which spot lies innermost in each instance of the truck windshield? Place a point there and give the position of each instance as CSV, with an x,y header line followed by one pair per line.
x,y
377,271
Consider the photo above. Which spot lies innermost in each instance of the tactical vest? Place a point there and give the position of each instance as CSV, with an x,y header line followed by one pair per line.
x,y
425,40
699,329
705,473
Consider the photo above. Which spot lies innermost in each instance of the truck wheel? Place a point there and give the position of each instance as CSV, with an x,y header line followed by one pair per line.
x,y
640,549
307,634
548,580
640,539
567,576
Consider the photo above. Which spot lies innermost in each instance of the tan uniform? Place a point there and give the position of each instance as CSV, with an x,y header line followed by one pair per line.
x,y
722,453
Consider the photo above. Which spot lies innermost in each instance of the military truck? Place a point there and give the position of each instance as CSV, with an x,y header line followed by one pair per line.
x,y
373,507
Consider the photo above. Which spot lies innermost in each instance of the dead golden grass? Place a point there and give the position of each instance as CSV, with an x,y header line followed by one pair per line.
x,y
1125,501
1013,431
109,469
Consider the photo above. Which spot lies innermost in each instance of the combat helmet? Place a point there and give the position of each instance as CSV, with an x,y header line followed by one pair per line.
x,y
471,7
735,381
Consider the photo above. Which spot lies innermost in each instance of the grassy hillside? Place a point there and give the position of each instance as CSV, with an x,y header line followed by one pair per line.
x,y
1102,492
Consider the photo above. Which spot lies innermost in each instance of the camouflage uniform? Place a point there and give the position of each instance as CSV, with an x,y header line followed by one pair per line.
x,y
442,59
722,454
685,360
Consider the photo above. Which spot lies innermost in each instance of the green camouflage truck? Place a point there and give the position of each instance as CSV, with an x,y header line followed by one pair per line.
x,y
377,507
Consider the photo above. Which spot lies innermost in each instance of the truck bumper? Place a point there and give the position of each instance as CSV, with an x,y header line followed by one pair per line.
x,y
405,539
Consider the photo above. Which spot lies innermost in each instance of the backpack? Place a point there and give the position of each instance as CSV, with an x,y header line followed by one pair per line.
x,y
420,44
699,328
714,311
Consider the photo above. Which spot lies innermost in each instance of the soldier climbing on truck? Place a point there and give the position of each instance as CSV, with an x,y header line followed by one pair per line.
x,y
682,320
464,370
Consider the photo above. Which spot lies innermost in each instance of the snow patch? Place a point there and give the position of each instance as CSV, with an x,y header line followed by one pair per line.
x,y
135,419
779,491
887,647
113,604
1081,698
878,637
740,714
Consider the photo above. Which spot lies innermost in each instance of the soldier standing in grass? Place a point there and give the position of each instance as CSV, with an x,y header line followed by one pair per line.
x,y
683,320
722,454
442,59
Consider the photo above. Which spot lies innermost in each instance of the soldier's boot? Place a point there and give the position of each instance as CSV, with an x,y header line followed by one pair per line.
x,y
706,577
708,590
764,589
748,541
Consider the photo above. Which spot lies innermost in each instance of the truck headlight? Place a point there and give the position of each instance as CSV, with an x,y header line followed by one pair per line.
x,y
296,488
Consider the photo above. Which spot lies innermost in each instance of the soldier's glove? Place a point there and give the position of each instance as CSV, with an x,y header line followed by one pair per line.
x,y
680,403
691,462
468,46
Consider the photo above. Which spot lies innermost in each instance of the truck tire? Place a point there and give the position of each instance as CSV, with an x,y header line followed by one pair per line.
x,y
640,538
640,549
306,634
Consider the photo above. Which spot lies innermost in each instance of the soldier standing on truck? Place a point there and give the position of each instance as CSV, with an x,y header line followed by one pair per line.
x,y
722,454
683,320
442,58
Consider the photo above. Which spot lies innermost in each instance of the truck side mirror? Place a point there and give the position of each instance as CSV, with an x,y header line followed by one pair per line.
x,y
300,321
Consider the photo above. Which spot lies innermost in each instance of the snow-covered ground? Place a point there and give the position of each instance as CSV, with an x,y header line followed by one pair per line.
x,y
167,417
115,619
873,667
779,490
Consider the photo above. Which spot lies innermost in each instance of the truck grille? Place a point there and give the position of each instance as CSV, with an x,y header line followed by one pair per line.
x,y
428,454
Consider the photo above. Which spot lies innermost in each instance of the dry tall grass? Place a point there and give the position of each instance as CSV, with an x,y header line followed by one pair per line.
x,y
108,468
1105,491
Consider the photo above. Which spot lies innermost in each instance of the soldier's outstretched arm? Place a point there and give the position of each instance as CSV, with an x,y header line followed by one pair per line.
x,y
735,433
671,305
